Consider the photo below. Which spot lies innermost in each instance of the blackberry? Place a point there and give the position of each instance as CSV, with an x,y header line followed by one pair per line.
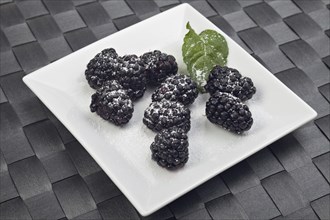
x,y
170,148
158,66
225,79
177,88
114,106
166,114
229,112
131,75
102,68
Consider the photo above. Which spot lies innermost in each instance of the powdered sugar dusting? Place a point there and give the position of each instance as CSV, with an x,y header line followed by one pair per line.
x,y
200,77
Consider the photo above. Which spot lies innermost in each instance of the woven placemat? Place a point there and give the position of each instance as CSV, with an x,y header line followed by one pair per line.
x,y
46,174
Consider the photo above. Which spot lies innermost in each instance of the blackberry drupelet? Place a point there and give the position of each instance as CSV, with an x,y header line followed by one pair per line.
x,y
170,148
131,75
229,112
225,79
114,106
166,114
177,88
158,66
102,68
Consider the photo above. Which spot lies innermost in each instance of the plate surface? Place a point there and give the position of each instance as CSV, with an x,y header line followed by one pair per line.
x,y
123,152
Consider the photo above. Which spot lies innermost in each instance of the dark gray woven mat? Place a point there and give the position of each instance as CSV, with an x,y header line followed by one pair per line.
x,y
46,174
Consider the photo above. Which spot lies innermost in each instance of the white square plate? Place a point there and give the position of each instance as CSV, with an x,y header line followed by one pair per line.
x,y
123,152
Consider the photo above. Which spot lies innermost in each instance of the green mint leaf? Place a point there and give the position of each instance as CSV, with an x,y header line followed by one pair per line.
x,y
201,52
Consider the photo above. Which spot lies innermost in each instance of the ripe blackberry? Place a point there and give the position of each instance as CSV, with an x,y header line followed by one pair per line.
x,y
131,75
114,106
225,79
170,148
166,114
229,112
102,68
158,66
177,88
